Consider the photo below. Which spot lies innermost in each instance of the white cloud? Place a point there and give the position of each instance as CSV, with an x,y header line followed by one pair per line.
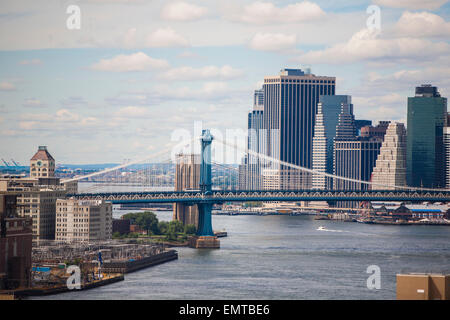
x,y
129,38
64,115
204,73
183,11
132,112
422,24
7,86
62,120
34,103
210,90
265,12
369,45
28,125
30,62
411,4
134,62
273,41
73,101
166,37
407,79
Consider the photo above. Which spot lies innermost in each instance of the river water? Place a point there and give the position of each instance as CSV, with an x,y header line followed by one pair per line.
x,y
286,257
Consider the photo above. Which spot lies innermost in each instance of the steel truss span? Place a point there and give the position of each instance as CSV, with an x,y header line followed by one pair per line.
x,y
192,197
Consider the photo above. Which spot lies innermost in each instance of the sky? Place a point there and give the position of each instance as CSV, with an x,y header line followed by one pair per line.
x,y
136,72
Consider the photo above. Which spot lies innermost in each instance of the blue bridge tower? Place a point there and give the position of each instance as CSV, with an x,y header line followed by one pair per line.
x,y
205,207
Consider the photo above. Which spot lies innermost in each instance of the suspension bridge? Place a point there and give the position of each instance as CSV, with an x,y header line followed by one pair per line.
x,y
218,183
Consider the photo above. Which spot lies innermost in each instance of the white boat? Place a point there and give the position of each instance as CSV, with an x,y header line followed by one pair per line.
x,y
321,228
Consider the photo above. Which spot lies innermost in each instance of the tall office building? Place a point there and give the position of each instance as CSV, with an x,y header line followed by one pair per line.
x,y
354,157
427,112
290,107
447,155
187,177
345,129
258,98
390,168
255,143
327,119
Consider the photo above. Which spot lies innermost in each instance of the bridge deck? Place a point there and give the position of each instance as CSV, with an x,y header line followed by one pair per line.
x,y
267,195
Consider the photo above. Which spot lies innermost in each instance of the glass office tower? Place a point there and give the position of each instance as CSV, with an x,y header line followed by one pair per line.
x,y
290,107
327,119
425,158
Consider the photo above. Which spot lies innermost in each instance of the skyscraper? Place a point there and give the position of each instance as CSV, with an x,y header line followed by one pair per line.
x,y
255,143
327,119
427,111
390,168
290,106
354,157
447,155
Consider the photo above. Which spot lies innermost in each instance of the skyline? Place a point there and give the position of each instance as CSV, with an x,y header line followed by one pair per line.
x,y
126,89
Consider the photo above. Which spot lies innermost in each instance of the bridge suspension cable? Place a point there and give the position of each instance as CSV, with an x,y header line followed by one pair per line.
x,y
124,165
327,175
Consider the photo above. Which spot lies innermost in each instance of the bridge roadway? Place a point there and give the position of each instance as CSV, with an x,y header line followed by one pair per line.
x,y
220,196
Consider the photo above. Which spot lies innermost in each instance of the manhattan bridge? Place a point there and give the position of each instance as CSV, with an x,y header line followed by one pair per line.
x,y
218,183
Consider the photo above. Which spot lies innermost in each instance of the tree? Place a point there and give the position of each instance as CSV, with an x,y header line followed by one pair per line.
x,y
176,226
147,220
116,235
190,229
163,227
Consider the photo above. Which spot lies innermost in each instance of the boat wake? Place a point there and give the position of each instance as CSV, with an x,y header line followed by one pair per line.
x,y
321,228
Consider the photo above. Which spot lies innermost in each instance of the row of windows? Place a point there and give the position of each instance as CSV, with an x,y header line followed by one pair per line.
x,y
298,81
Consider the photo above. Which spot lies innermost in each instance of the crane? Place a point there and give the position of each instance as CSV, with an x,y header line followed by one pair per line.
x,y
15,163
6,163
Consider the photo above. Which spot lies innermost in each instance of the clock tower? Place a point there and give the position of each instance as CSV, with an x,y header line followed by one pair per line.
x,y
42,165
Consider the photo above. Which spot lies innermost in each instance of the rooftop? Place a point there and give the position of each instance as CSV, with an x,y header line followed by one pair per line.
x,y
42,154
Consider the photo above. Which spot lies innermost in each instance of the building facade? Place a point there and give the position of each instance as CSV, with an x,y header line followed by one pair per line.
x,y
390,168
354,159
37,194
376,132
290,107
255,143
187,177
327,119
36,199
15,245
447,155
83,220
427,112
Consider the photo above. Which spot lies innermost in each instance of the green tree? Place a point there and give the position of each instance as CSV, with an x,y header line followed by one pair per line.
x,y
176,226
190,229
163,227
116,235
147,220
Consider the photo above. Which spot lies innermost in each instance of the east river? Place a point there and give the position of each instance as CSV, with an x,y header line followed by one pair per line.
x,y
286,257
